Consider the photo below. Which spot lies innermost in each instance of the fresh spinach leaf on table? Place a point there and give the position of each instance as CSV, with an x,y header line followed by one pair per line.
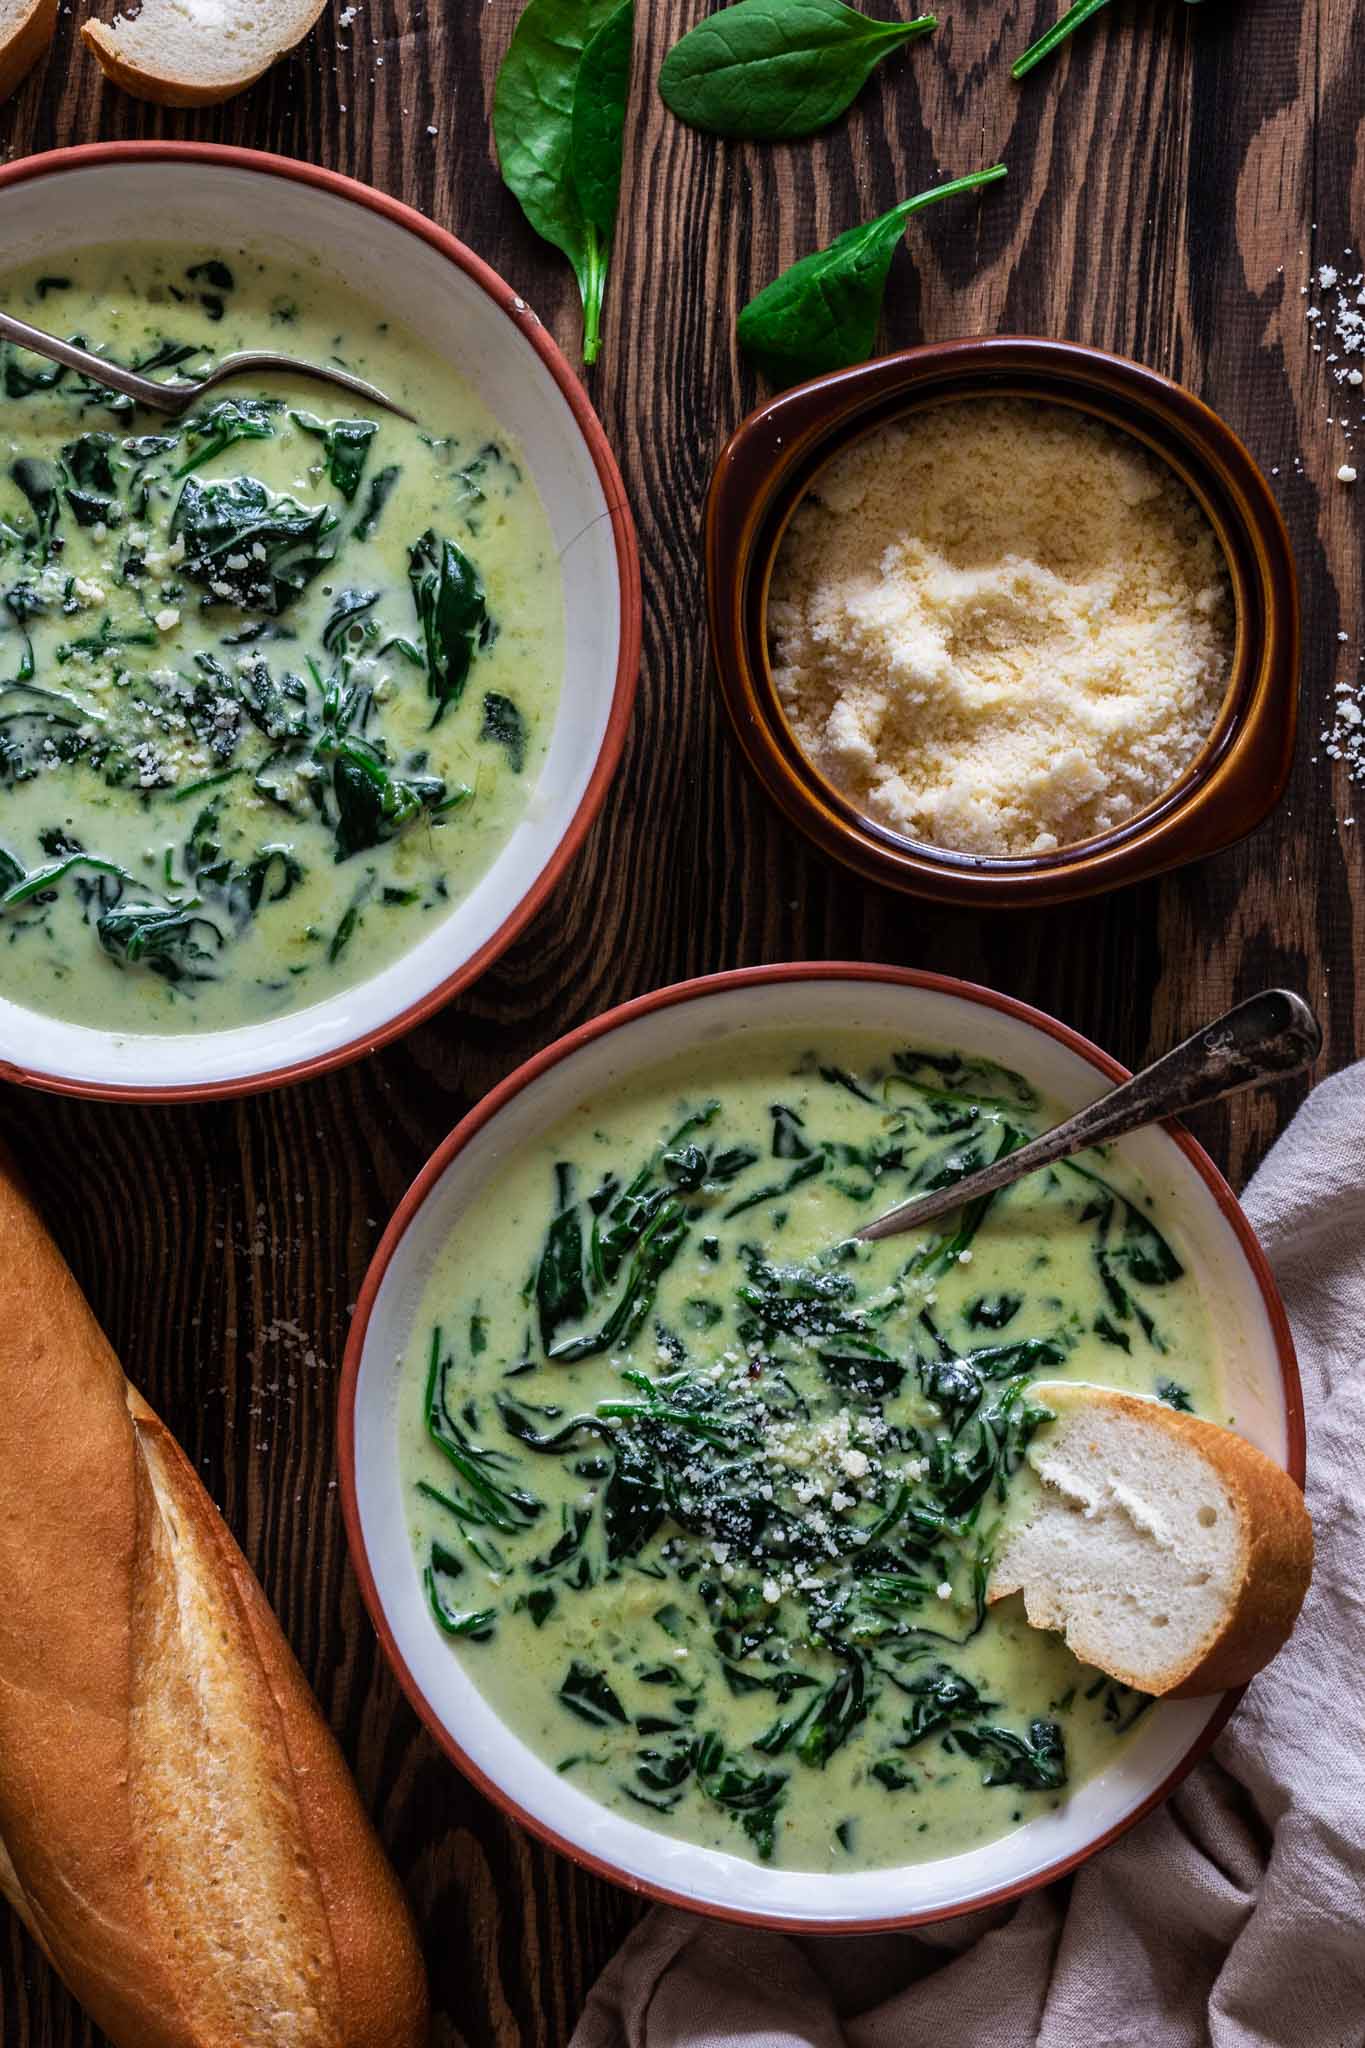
x,y
558,117
1074,18
822,313
771,70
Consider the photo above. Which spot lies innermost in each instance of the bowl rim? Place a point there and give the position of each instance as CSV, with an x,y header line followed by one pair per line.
x,y
482,1113
1243,766
229,156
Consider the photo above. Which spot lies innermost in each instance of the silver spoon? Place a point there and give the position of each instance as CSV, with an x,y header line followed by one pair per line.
x,y
1263,1039
175,398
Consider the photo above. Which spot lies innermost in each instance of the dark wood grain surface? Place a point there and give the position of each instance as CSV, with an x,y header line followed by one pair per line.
x,y
1171,182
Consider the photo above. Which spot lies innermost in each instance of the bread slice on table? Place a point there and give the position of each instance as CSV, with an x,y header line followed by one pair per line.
x,y
193,53
1170,1553
26,28
177,1826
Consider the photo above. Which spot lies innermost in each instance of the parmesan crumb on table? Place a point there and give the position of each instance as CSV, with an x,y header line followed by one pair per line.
x,y
1000,627
1346,475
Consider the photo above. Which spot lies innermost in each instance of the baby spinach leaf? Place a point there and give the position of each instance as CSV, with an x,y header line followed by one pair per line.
x,y
176,943
40,481
477,1624
373,804
774,69
504,725
937,1698
90,484
558,114
346,444
599,119
377,496
453,614
1036,1761
822,313
248,545
218,426
346,623
588,1694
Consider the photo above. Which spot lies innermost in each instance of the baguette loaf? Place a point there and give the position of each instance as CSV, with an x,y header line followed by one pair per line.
x,y
177,1826
1173,1554
26,28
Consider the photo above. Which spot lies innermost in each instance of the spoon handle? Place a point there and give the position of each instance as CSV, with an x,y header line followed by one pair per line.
x,y
176,397
112,376
1262,1039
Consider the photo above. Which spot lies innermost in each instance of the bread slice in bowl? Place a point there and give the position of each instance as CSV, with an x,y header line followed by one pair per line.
x,y
193,53
1170,1553
26,28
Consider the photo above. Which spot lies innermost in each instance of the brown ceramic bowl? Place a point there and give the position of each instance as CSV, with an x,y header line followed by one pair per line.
x,y
766,469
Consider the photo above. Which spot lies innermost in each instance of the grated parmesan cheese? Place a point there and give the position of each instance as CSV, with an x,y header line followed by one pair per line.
x,y
1000,627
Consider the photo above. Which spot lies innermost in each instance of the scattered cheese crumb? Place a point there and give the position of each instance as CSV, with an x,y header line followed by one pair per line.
x,y
1346,475
167,619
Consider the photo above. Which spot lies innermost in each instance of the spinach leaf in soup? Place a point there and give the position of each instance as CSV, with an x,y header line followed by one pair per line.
x,y
249,546
452,612
558,118
822,313
346,446
772,70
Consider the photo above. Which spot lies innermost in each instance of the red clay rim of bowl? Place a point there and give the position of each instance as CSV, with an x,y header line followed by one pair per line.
x,y
482,1113
90,155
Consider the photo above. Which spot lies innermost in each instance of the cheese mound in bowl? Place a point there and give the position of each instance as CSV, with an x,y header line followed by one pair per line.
x,y
1000,627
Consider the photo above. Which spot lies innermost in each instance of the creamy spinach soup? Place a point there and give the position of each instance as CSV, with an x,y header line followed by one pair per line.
x,y
704,1495
278,678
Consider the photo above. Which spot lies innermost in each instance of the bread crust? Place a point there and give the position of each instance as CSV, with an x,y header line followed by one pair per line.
x,y
24,43
88,1476
1276,1561
175,88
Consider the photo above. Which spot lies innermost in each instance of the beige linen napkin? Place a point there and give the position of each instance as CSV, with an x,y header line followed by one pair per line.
x,y
1236,1914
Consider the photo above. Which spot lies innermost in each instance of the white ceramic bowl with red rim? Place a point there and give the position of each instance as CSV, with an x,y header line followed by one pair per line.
x,y
54,205
588,1064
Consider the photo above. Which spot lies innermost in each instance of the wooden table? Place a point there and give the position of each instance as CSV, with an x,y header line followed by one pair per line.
x,y
1171,181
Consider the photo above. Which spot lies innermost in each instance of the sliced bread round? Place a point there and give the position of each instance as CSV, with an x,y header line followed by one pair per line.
x,y
26,28
1171,1553
193,53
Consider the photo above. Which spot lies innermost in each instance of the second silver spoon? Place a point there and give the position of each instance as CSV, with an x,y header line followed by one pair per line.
x,y
1263,1039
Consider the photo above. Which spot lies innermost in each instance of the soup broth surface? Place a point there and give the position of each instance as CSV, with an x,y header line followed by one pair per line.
x,y
704,1496
278,677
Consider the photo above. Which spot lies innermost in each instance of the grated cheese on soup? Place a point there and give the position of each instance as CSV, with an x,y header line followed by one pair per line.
x,y
1000,627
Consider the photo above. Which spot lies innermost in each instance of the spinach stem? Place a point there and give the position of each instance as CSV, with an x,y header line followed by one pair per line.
x,y
1073,19
593,289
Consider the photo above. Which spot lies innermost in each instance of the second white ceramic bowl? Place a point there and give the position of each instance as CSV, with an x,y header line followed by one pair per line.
x,y
1257,1357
